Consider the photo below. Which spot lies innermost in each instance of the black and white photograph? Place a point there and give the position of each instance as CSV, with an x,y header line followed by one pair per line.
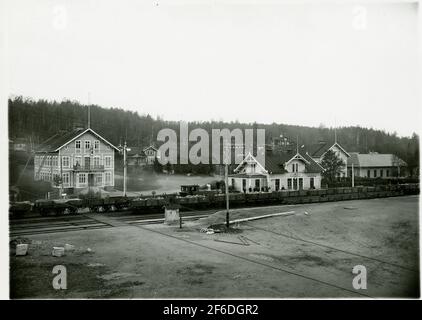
x,y
210,149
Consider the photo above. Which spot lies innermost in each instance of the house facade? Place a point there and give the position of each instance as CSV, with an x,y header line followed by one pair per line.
x,y
141,158
76,160
376,165
318,151
150,154
283,170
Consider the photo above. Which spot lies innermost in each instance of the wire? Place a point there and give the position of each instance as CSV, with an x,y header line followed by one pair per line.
x,y
256,262
332,248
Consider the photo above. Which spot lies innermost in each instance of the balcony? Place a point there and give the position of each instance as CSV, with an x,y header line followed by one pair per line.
x,y
88,168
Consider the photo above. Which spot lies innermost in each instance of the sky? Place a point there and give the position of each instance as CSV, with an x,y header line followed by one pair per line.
x,y
294,63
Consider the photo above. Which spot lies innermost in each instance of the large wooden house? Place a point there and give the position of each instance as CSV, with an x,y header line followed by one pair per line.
x,y
75,160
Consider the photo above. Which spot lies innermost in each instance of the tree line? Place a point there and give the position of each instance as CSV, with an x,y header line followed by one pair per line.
x,y
38,120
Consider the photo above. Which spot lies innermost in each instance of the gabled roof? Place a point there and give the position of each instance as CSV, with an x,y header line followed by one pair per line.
x,y
59,140
150,147
318,150
369,160
249,157
275,161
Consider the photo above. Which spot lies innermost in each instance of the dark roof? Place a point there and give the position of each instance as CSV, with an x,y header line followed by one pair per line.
x,y
135,152
150,147
274,161
58,140
318,149
245,175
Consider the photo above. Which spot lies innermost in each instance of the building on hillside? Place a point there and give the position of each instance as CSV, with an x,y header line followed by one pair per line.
x,y
142,157
376,165
75,160
20,144
150,154
282,142
136,157
283,170
317,152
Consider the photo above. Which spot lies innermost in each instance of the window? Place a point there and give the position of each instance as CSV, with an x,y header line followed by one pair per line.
x,y
295,184
82,178
300,183
368,173
312,183
277,184
87,144
108,161
257,183
108,178
87,162
381,173
297,167
375,173
65,178
253,165
78,161
96,146
96,162
387,173
99,179
289,183
244,184
78,146
66,162
293,167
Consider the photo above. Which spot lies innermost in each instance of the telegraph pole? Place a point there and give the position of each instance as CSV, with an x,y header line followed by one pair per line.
x,y
353,176
124,169
226,174
226,181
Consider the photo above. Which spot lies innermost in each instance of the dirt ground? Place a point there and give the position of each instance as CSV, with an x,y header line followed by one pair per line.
x,y
310,253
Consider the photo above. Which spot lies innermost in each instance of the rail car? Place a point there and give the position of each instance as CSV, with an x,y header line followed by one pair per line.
x,y
210,200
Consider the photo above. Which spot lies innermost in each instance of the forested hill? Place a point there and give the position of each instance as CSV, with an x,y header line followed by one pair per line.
x,y
41,119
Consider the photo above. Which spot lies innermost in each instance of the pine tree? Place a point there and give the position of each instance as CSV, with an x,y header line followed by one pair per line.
x,y
332,165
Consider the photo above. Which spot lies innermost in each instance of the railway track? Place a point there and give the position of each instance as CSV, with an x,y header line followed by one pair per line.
x,y
44,225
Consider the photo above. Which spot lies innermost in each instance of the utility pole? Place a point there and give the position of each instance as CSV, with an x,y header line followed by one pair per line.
x,y
124,169
226,174
226,182
353,176
125,150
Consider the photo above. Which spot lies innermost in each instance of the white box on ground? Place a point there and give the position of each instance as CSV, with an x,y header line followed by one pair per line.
x,y
171,216
21,249
69,247
58,251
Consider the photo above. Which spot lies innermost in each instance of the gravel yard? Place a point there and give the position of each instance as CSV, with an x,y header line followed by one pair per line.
x,y
310,253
